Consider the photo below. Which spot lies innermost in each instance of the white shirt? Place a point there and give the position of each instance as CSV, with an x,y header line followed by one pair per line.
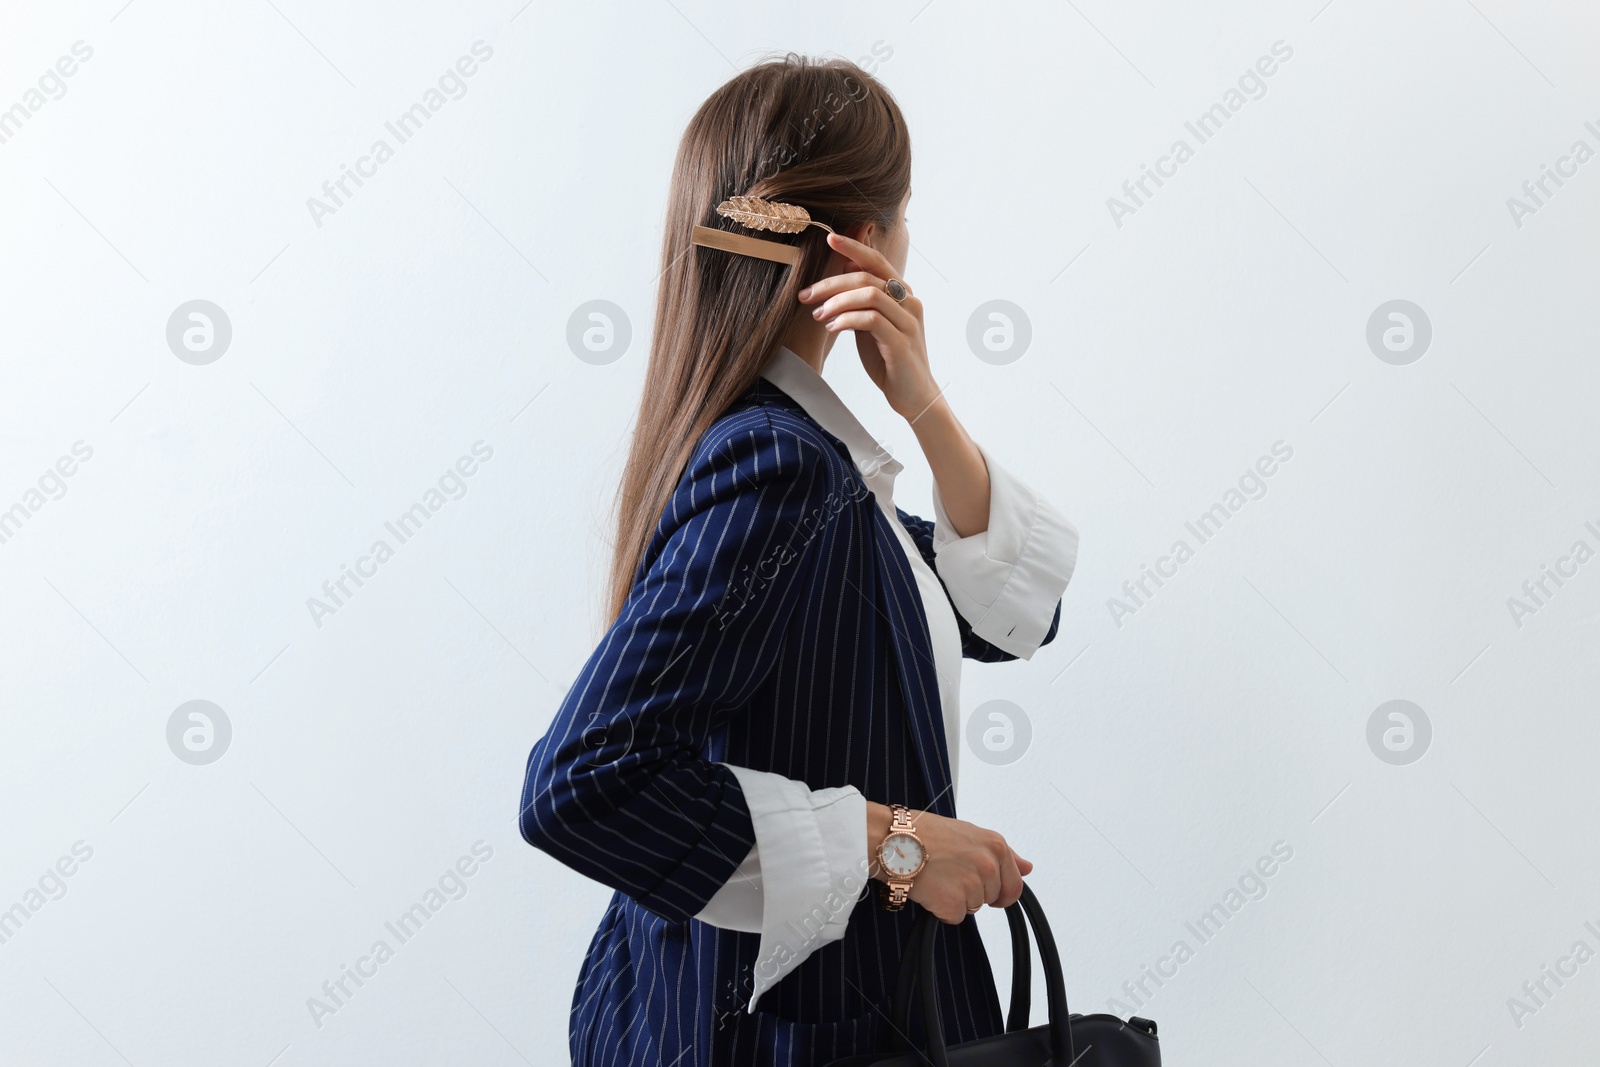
x,y
811,844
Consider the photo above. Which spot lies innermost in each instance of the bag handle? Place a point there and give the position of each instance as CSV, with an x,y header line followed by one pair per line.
x,y
920,947
898,1037
1021,971
898,1040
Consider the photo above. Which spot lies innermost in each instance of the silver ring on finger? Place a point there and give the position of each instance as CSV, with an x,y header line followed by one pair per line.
x,y
897,289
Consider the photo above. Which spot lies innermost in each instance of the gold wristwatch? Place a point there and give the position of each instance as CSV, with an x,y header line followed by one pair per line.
x,y
902,856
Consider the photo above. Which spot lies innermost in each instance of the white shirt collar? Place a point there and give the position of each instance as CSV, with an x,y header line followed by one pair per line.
x,y
806,387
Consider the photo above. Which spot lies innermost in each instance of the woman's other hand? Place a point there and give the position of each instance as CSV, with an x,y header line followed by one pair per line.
x,y
889,332
967,866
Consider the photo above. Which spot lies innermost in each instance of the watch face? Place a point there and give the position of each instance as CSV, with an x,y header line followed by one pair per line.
x,y
901,855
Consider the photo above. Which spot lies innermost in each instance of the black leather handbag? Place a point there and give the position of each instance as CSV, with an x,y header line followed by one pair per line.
x,y
1066,1040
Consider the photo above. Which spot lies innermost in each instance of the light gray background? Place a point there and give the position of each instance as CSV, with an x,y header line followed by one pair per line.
x,y
430,312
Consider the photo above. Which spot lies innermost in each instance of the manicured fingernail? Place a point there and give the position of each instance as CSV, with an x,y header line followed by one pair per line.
x,y
805,292
817,314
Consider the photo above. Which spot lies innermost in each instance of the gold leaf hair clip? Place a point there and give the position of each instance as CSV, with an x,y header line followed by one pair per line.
x,y
758,214
754,213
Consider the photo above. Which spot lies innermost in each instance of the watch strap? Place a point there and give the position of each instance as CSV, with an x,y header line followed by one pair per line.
x,y
896,891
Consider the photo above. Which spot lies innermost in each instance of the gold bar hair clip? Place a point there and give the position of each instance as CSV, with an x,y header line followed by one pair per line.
x,y
755,213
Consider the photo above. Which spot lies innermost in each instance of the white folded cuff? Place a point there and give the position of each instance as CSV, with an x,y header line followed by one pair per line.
x,y
799,883
1007,580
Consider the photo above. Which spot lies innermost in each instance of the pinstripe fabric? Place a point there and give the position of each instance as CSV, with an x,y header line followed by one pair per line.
x,y
774,623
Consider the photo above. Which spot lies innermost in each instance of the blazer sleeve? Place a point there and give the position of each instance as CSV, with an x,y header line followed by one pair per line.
x,y
1006,582
618,788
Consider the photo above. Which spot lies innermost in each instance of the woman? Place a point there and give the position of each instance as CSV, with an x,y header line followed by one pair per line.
x,y
784,658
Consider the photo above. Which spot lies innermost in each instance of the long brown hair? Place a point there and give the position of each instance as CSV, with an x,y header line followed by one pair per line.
x,y
819,133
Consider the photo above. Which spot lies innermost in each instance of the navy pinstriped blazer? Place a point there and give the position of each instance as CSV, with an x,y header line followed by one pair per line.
x,y
774,623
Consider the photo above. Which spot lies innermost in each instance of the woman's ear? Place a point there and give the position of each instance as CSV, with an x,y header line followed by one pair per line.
x,y
865,232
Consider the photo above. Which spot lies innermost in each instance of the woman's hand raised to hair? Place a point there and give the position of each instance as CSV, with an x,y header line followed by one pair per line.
x,y
889,333
894,351
967,866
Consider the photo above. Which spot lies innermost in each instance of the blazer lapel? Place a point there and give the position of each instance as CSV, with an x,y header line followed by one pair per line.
x,y
901,602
